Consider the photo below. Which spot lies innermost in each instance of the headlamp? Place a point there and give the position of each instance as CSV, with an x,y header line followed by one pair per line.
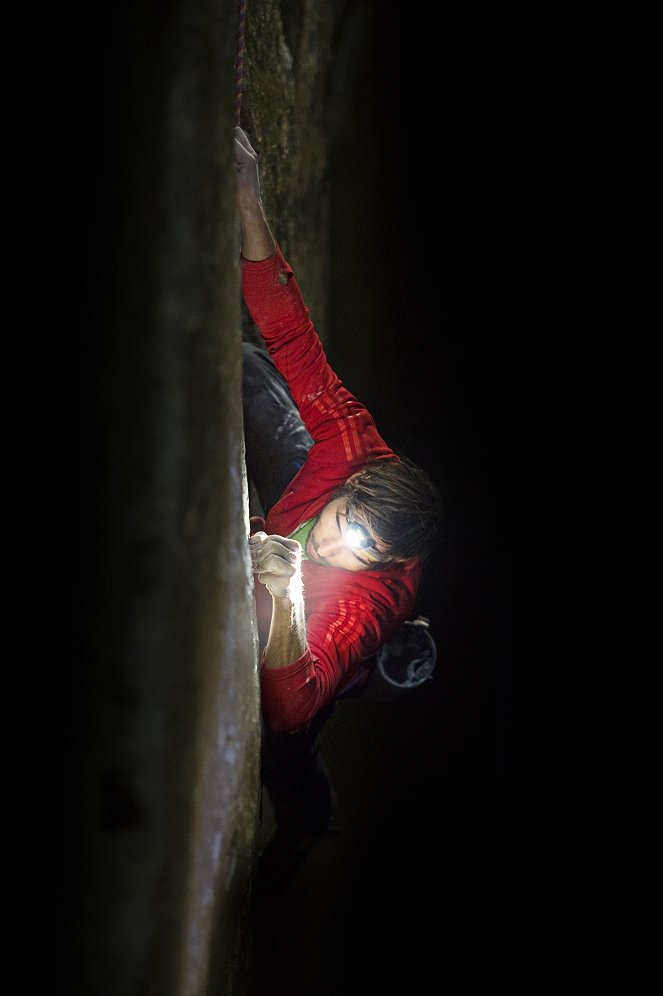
x,y
357,537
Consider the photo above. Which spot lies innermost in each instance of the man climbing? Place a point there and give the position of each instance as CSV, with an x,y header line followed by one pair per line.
x,y
348,524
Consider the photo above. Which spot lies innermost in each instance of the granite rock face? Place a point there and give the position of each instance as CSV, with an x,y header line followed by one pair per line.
x,y
155,793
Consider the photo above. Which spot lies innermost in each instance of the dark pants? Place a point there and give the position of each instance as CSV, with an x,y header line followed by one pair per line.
x,y
277,444
297,779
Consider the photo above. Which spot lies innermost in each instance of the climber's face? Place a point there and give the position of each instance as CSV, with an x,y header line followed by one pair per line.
x,y
335,541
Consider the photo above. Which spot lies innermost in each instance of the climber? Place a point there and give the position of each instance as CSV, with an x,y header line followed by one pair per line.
x,y
346,525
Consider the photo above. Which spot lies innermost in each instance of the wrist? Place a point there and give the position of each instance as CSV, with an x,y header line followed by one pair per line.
x,y
288,606
282,601
249,201
256,240
287,633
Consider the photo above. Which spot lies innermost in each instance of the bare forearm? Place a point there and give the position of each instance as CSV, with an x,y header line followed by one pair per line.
x,y
256,239
287,634
257,242
277,561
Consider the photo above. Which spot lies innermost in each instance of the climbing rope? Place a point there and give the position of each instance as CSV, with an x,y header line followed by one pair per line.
x,y
239,63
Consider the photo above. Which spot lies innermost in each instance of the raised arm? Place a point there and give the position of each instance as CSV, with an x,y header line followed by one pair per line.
x,y
257,241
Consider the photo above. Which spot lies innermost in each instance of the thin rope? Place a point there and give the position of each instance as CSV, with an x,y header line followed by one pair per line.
x,y
239,63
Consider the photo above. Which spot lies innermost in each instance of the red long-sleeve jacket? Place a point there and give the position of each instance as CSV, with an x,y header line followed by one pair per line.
x,y
349,615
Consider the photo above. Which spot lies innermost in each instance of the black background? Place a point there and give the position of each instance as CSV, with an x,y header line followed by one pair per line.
x,y
446,145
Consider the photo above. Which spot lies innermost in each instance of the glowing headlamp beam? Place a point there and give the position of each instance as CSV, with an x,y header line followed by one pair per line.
x,y
356,537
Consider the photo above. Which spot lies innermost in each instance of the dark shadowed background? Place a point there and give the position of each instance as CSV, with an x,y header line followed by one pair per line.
x,y
436,323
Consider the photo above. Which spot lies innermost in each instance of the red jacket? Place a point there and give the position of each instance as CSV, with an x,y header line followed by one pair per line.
x,y
349,615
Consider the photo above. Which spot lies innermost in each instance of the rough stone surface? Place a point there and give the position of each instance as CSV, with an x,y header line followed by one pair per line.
x,y
155,788
165,722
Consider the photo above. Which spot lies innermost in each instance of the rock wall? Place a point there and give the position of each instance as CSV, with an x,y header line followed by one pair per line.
x,y
153,720
160,699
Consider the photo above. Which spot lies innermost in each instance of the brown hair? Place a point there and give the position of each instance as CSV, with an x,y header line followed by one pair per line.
x,y
398,501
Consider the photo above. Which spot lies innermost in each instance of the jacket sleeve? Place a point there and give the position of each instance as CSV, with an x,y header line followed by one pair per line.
x,y
329,411
338,639
340,636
